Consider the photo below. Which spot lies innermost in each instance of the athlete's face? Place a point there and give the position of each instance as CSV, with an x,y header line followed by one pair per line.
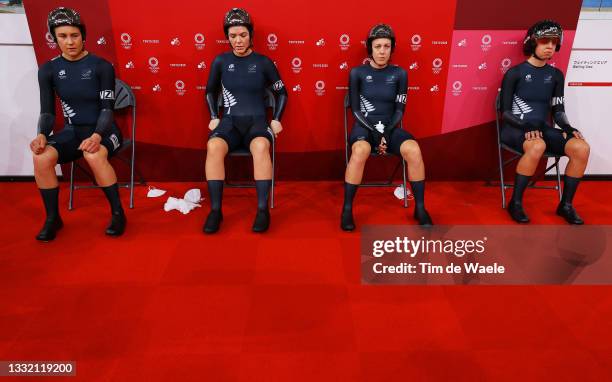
x,y
69,40
239,39
381,51
545,47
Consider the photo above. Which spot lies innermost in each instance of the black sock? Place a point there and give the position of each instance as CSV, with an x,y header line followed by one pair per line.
x,y
349,194
50,198
263,191
520,184
570,184
418,190
215,192
112,194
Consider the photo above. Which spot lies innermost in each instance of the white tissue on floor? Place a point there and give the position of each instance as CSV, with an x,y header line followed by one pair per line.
x,y
399,192
155,192
181,205
193,195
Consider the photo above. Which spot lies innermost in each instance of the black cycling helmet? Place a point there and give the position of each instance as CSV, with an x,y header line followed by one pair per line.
x,y
380,31
64,16
237,17
542,29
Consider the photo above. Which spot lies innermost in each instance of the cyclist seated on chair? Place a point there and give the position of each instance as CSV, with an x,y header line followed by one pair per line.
x,y
377,92
85,86
531,93
241,76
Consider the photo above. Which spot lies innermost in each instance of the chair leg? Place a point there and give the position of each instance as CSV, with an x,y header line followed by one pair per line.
x,y
273,172
558,178
70,199
132,177
502,186
133,166
405,185
346,145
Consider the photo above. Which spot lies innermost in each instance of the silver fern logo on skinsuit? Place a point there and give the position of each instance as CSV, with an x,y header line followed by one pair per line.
x,y
228,99
365,106
68,112
520,107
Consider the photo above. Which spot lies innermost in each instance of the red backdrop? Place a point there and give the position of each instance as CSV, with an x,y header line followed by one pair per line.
x,y
164,50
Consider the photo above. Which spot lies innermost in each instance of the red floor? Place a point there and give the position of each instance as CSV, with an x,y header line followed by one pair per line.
x,y
165,302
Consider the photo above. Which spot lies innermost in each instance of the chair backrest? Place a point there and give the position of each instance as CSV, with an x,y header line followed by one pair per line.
x,y
124,96
498,116
498,101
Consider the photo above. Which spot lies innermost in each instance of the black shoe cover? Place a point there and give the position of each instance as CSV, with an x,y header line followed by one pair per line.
x,y
213,221
49,229
262,221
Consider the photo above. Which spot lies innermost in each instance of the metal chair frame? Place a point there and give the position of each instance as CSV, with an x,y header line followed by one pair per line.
x,y
402,162
124,97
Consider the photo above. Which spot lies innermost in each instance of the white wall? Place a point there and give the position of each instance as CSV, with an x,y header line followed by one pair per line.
x,y
19,106
588,107
19,110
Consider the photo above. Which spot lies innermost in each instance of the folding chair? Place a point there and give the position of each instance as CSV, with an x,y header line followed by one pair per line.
x,y
124,97
516,155
270,102
389,182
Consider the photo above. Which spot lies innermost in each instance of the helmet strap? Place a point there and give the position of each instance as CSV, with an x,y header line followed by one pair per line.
x,y
536,56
